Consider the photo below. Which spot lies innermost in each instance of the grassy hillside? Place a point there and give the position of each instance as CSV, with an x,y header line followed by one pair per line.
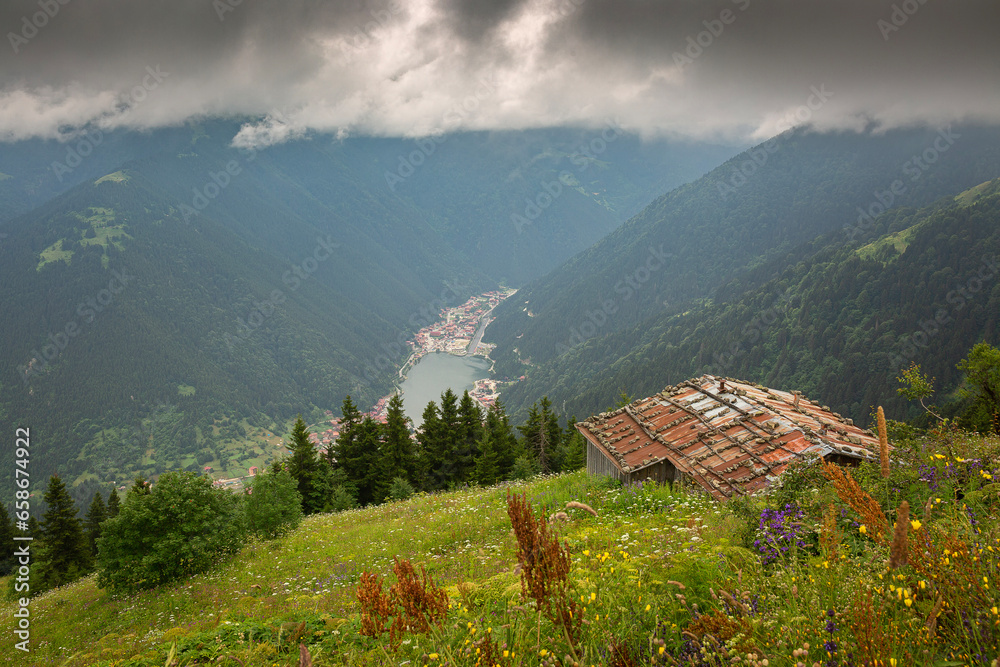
x,y
660,576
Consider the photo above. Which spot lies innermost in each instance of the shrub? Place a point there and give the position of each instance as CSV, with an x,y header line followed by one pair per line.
x,y
274,505
340,499
400,489
525,467
178,529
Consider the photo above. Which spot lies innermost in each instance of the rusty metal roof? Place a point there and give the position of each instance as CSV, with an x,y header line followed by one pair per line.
x,y
731,437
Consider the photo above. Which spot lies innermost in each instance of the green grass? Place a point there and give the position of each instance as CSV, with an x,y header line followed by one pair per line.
x,y
54,253
655,563
898,241
106,233
971,195
116,177
311,575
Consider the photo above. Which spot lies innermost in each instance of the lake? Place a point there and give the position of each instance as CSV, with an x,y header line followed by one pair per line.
x,y
433,374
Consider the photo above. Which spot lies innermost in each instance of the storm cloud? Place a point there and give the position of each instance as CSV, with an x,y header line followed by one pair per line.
x,y
723,69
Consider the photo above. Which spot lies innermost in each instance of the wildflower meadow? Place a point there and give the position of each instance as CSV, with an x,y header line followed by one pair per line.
x,y
878,565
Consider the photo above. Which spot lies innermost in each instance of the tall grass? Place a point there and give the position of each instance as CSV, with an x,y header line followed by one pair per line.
x,y
660,576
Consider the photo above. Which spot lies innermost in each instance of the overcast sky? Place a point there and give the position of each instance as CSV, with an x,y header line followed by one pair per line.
x,y
723,69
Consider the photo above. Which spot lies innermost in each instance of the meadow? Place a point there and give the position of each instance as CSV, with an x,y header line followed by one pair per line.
x,y
816,572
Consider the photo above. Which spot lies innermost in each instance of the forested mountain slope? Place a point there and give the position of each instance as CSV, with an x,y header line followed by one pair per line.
x,y
835,319
123,307
755,207
168,290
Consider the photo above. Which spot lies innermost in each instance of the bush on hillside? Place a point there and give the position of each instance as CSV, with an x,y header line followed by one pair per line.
x,y
274,506
178,529
400,489
340,499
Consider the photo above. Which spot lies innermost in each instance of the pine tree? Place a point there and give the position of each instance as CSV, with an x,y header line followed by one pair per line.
x,y
140,486
448,437
350,418
114,504
543,435
398,447
430,440
486,469
470,422
359,441
504,442
63,556
303,464
576,448
96,515
373,477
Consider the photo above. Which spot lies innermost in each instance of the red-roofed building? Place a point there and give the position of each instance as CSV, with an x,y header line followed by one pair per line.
x,y
729,437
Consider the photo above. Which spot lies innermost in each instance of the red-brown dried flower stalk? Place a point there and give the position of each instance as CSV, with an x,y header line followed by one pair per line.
x,y
883,442
414,603
545,566
858,499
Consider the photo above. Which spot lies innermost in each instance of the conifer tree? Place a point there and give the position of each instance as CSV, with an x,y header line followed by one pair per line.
x,y
400,460
543,435
373,476
470,430
350,418
114,504
63,556
140,486
96,515
358,451
504,442
429,438
485,471
303,465
448,436
576,449
344,447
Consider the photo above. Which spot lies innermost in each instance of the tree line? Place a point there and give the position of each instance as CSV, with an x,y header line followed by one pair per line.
x,y
459,443
182,524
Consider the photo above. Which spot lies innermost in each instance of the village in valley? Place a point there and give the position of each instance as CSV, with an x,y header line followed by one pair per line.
x,y
459,331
